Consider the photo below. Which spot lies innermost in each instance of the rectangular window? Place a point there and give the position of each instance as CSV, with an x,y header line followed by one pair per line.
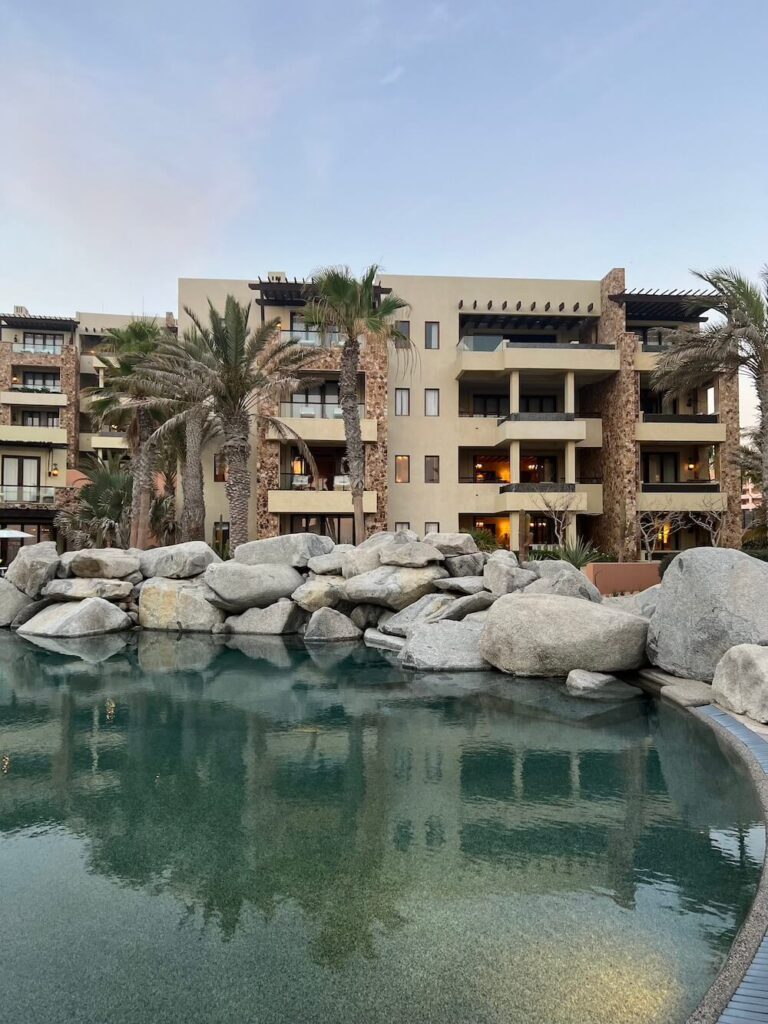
x,y
403,327
38,379
36,418
431,469
399,527
402,469
220,467
538,403
431,528
490,405
46,344
431,401
21,478
402,401
431,334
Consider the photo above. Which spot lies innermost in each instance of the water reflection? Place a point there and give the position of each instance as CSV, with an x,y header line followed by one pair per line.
x,y
367,815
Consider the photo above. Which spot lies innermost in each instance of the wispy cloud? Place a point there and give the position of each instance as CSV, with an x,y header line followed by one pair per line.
x,y
392,75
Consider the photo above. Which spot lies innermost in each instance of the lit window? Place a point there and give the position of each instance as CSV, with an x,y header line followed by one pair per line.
x,y
402,401
431,334
431,469
431,401
220,467
399,527
402,469
431,528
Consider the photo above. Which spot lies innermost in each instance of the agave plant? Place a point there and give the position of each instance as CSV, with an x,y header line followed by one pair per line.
x,y
99,513
579,553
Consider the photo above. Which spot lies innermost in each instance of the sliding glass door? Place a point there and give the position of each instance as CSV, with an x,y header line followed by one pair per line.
x,y
21,478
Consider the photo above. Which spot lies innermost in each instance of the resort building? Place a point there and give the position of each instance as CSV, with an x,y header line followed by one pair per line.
x,y
517,396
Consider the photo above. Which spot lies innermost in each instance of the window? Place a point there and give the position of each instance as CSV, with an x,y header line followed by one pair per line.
x,y
50,344
402,469
21,478
431,528
538,403
220,467
39,379
661,467
402,401
220,535
431,334
403,327
431,469
399,527
37,418
490,405
431,401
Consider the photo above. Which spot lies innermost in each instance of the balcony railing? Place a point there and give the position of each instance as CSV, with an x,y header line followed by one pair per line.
x,y
664,417
306,482
37,350
549,486
682,487
52,424
316,410
481,479
33,390
11,494
495,343
315,339
538,416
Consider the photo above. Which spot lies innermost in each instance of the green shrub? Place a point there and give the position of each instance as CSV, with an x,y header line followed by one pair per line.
x,y
484,539
761,553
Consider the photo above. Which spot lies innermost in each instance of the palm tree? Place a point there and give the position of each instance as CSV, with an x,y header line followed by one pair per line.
x,y
124,349
354,308
224,375
98,514
738,342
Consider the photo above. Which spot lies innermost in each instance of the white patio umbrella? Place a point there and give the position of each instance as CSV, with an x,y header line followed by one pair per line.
x,y
14,535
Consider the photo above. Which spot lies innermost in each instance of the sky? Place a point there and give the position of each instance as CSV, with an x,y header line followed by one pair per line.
x,y
148,141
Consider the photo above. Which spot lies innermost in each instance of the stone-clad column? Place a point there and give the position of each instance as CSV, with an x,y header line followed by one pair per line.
x,y
727,393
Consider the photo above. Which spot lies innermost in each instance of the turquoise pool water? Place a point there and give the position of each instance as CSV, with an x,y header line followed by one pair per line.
x,y
195,833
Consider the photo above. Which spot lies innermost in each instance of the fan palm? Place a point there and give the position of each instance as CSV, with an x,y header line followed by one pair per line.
x,y
736,343
354,308
123,351
226,376
98,514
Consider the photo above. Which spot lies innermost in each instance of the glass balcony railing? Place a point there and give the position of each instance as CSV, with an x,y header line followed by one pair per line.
x,y
306,482
313,338
681,487
13,494
315,410
38,350
50,425
496,343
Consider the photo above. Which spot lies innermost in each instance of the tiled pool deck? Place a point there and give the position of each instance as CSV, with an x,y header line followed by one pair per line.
x,y
748,1003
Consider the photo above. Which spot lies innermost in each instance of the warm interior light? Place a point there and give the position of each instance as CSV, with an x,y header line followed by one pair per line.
x,y
14,380
478,465
296,467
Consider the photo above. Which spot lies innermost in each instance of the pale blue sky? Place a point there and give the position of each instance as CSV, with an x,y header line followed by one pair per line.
x,y
145,141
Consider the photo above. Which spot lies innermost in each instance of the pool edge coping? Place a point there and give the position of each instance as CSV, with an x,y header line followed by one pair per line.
x,y
733,995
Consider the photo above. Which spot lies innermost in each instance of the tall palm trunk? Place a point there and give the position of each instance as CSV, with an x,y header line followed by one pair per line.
x,y
350,358
141,499
237,448
193,515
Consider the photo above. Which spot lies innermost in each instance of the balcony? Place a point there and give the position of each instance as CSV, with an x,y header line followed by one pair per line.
x,y
37,350
312,338
545,426
295,496
103,439
36,397
26,495
494,354
684,496
527,497
655,427
55,437
321,422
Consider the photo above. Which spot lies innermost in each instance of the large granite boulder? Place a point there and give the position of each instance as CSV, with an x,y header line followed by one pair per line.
x,y
102,563
183,605
599,686
444,646
177,561
320,592
236,587
279,618
452,543
391,586
740,683
330,563
32,567
78,589
12,601
366,556
30,610
461,584
566,584
643,603
710,600
504,576
293,549
549,635
81,618
468,605
366,616
326,625
427,607
545,567
465,565
412,554
383,641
